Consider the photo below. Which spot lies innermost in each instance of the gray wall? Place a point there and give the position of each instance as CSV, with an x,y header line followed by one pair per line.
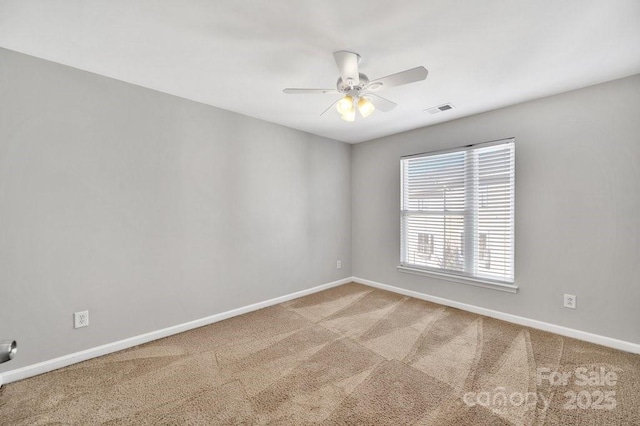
x,y
577,207
150,210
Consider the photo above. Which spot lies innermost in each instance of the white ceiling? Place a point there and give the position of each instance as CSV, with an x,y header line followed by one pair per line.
x,y
240,54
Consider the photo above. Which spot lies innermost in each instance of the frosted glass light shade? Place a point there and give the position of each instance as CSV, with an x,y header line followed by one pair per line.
x,y
344,105
365,107
349,115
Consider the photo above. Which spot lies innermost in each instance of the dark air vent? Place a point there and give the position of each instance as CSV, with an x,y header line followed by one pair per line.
x,y
439,108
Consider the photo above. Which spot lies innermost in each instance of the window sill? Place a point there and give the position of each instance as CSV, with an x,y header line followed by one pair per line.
x,y
510,288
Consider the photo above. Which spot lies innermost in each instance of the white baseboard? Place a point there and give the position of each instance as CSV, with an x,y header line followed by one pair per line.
x,y
540,325
63,361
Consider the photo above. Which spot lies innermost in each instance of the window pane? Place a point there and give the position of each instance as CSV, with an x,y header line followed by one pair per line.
x,y
436,184
495,212
435,241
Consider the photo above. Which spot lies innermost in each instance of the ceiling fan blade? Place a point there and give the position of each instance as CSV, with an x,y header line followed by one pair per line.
x,y
330,106
308,91
382,104
347,63
398,79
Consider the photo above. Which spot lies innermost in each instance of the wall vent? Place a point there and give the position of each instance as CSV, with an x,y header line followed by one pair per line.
x,y
439,108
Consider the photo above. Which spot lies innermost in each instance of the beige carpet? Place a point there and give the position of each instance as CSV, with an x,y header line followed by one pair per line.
x,y
348,355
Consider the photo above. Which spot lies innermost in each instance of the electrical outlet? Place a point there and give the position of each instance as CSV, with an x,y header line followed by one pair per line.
x,y
81,319
570,301
339,264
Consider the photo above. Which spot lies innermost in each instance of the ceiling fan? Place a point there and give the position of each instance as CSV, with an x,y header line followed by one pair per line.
x,y
358,90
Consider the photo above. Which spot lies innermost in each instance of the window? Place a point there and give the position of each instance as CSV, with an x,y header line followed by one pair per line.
x,y
458,212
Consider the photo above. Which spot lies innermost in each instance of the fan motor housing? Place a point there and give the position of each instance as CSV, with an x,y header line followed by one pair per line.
x,y
346,88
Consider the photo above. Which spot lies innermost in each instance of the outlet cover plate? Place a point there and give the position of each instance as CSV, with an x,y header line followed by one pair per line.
x,y
570,301
81,319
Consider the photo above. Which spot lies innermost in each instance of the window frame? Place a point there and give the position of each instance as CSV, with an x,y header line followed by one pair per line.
x,y
471,242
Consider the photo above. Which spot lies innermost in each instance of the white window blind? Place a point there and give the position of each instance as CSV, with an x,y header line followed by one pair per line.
x,y
458,211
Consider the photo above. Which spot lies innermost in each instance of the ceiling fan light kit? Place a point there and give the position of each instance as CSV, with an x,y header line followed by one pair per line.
x,y
347,107
358,89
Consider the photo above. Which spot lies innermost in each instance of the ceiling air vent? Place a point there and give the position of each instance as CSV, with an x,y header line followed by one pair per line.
x,y
439,108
